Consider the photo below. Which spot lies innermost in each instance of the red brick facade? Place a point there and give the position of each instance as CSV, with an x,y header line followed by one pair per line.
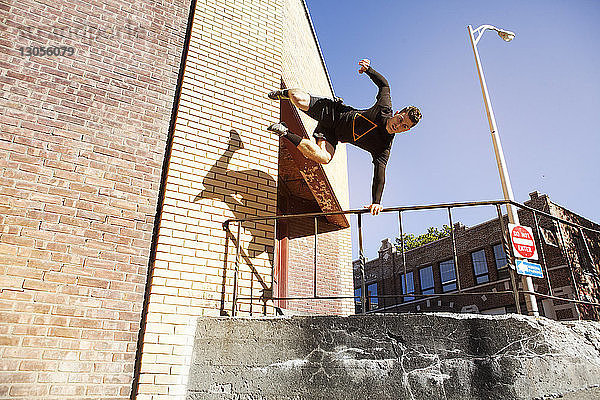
x,y
82,142
116,181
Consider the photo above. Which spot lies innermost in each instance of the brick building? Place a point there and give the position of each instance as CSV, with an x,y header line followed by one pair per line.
x,y
482,267
119,164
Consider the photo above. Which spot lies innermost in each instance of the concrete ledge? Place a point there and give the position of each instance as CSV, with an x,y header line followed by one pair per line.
x,y
386,356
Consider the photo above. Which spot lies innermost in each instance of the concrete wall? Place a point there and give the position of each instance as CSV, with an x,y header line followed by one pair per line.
x,y
410,356
82,141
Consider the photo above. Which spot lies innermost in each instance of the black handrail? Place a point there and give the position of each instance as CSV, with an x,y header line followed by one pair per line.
x,y
408,208
364,296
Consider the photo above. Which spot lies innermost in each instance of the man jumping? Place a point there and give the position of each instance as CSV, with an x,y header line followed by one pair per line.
x,y
372,130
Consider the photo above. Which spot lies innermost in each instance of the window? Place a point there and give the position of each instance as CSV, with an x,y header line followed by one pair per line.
x,y
427,283
480,266
448,275
500,257
411,286
357,293
357,303
373,301
549,236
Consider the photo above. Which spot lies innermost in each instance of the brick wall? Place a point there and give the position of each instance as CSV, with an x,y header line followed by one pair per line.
x,y
387,271
335,248
333,277
583,255
82,141
223,165
307,72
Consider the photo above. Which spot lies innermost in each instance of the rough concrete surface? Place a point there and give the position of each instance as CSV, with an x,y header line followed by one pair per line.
x,y
386,356
592,393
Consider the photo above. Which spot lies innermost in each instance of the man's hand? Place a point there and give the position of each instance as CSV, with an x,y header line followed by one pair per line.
x,y
375,208
364,65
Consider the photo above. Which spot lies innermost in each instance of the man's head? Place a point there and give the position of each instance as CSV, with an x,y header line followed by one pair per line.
x,y
403,120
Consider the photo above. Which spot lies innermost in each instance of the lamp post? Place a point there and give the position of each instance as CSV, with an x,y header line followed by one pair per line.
x,y
513,218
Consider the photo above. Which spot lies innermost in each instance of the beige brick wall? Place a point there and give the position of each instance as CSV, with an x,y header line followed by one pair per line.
x,y
223,165
302,67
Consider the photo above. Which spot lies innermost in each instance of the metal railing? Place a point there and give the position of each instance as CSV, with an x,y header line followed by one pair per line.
x,y
515,291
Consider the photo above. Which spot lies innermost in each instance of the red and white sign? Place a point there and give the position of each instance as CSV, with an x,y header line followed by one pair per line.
x,y
523,242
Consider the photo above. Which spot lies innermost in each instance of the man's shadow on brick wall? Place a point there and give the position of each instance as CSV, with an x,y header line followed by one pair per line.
x,y
230,187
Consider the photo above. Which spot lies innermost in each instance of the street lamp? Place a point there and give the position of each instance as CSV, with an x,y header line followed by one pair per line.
x,y
513,218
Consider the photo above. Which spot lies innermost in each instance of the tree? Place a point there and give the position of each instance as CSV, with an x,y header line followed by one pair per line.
x,y
412,242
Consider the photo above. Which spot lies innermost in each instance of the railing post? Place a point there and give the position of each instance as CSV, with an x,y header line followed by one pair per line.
x,y
275,261
236,271
381,301
400,228
395,278
539,232
587,249
509,258
566,252
455,257
315,259
361,258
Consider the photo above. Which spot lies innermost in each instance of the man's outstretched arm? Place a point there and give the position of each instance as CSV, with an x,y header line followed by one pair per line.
x,y
376,77
377,188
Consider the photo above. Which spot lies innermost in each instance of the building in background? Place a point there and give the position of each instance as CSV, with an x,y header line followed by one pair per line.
x,y
573,263
121,161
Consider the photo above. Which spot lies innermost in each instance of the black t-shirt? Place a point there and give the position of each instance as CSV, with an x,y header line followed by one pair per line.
x,y
366,129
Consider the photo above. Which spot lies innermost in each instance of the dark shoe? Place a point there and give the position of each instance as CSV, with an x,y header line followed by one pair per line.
x,y
279,128
277,95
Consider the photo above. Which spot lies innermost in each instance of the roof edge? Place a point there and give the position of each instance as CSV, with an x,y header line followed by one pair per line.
x,y
314,33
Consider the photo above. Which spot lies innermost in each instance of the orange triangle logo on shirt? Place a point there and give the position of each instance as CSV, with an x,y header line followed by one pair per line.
x,y
361,127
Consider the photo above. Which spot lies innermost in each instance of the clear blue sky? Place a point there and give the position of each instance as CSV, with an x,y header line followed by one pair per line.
x,y
544,88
